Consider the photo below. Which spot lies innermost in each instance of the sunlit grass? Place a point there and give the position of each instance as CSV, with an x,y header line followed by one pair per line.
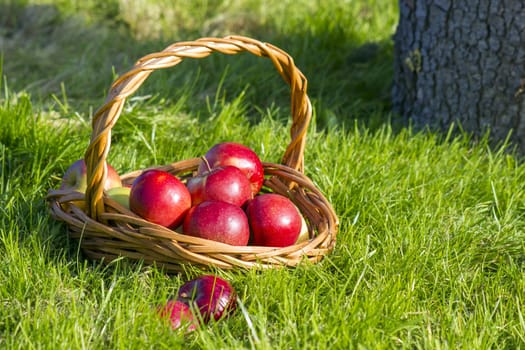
x,y
429,252
430,248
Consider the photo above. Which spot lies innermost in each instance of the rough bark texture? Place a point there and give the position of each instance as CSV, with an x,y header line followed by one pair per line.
x,y
462,61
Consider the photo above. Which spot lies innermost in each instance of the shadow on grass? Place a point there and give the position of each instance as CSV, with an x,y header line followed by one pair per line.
x,y
69,61
46,54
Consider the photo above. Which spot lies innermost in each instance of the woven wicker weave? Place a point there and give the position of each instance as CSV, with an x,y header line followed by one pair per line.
x,y
108,231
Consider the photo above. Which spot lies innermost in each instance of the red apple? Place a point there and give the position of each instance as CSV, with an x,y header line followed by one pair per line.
x,y
218,221
159,197
179,315
224,183
213,296
75,177
274,220
237,155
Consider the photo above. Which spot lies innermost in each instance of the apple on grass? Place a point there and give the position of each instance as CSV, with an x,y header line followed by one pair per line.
x,y
75,177
218,221
213,296
274,220
224,183
237,155
179,315
159,197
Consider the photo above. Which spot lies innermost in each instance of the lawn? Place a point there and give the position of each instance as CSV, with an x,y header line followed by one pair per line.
x,y
430,247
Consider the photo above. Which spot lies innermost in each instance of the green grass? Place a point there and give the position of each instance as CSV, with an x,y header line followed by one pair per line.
x,y
75,48
430,248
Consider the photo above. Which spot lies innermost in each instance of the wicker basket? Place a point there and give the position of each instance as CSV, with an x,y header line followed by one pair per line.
x,y
108,231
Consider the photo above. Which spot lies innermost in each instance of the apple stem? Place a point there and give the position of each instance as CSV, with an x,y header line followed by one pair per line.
x,y
206,162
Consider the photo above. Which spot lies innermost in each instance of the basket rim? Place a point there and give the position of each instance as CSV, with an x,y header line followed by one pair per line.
x,y
67,206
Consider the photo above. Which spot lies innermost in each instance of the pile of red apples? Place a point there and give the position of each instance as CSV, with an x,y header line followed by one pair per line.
x,y
222,202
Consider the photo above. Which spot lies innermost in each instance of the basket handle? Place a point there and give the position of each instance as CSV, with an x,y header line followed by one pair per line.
x,y
125,85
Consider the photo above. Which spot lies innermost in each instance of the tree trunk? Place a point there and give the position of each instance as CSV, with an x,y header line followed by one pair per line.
x,y
462,62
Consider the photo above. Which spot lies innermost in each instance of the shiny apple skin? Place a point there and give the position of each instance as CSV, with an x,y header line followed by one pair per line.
x,y
159,197
218,221
274,220
237,155
224,183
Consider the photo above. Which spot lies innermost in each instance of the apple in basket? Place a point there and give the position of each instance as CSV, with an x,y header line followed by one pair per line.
x,y
120,195
305,233
159,197
224,183
237,155
75,177
218,221
274,220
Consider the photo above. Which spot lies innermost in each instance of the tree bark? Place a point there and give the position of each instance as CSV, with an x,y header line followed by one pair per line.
x,y
462,61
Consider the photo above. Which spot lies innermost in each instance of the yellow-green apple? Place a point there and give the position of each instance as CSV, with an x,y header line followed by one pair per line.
x,y
75,177
305,234
218,221
213,296
159,197
120,195
237,155
223,183
274,220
